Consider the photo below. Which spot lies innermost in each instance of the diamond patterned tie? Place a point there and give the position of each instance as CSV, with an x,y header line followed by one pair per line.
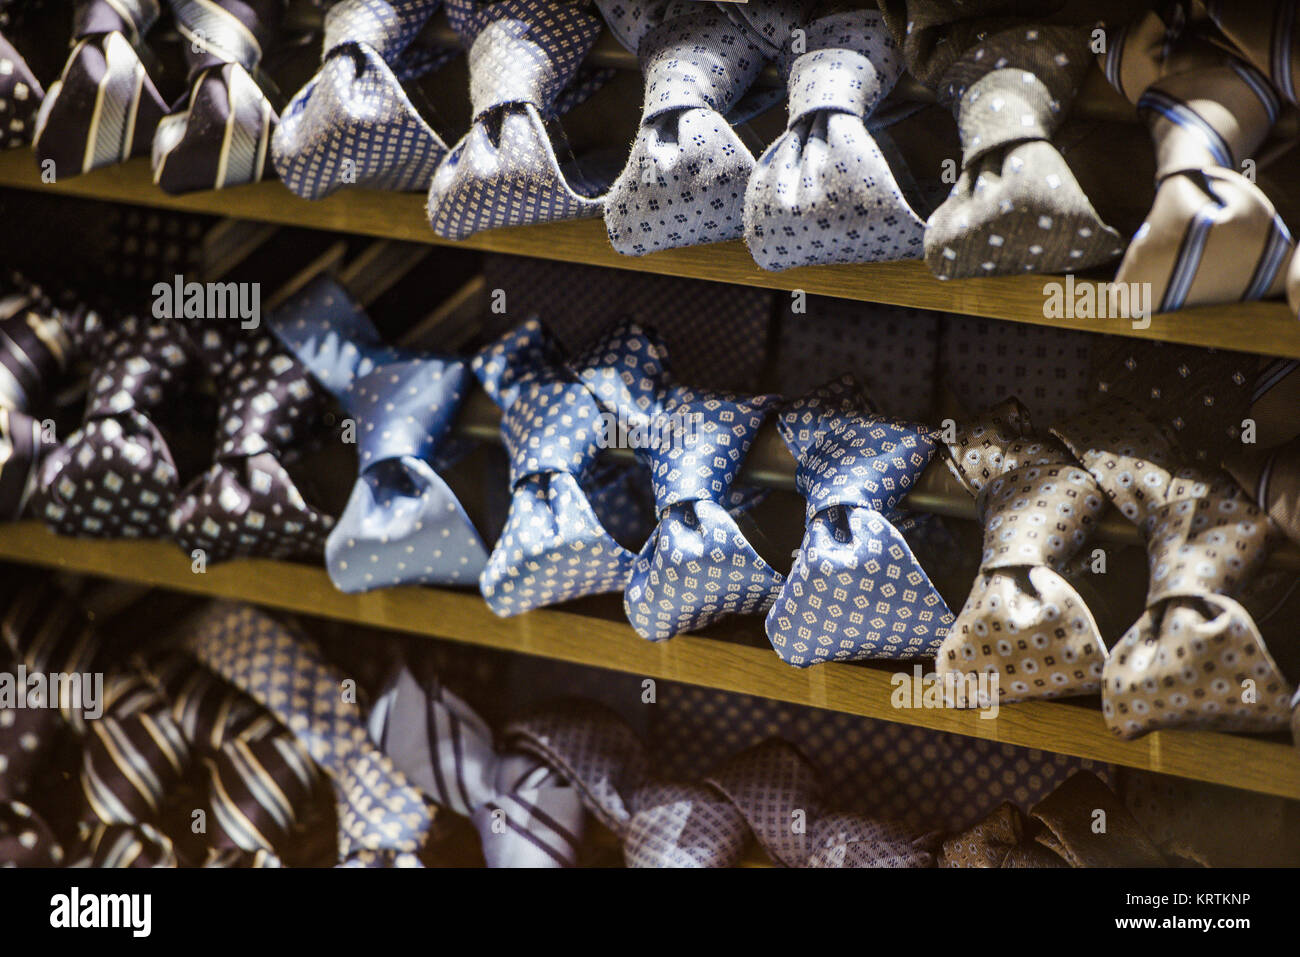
x,y
697,565
523,55
353,123
684,182
1212,235
554,547
1023,621
383,819
823,192
1195,657
222,134
114,476
402,523
246,503
104,108
21,95
855,589
525,814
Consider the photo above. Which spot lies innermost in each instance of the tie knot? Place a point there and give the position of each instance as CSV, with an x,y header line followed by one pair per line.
x,y
997,442
132,18
851,63
405,408
1038,515
699,59
865,462
136,363
226,32
386,26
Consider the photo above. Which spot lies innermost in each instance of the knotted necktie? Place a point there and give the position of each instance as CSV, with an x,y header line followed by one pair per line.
x,y
383,819
684,181
114,476
1212,235
1016,206
222,134
523,56
247,503
1060,832
855,589
553,547
697,565
104,108
1195,657
823,192
402,523
1266,33
525,814
1023,621
353,123
21,95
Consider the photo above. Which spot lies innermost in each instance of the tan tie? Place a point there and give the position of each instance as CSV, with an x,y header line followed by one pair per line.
x,y
1023,620
1195,657
1267,32
1211,236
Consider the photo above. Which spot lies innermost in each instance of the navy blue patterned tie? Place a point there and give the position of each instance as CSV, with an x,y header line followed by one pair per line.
x,y
353,123
524,64
697,565
855,590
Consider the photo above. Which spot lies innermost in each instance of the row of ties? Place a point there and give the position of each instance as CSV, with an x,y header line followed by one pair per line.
x,y
823,192
856,590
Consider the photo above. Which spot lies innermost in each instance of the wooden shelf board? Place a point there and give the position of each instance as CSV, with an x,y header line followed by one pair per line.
x,y
1266,328
1250,763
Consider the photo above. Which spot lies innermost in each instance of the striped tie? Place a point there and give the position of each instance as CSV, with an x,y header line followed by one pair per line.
x,y
1267,32
1212,236
104,108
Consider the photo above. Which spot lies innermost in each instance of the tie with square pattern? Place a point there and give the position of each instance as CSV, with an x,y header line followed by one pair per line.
x,y
1195,657
855,589
1023,621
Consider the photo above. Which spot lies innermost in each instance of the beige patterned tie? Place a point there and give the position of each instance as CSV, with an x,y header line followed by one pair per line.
x,y
1195,657
1023,621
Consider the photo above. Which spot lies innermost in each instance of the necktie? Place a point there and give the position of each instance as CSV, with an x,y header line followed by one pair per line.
x,y
1272,479
104,108
824,192
1265,32
1058,833
523,55
247,503
21,95
114,476
26,735
855,589
402,523
554,547
525,814
1212,235
1016,206
1023,621
353,123
221,136
1195,657
383,820
697,565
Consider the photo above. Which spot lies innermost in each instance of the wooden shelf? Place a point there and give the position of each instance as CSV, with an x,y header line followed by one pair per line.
x,y
1269,766
1266,328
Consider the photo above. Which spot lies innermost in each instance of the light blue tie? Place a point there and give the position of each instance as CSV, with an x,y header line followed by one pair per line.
x,y
855,590
823,192
697,565
353,124
554,547
524,58
402,523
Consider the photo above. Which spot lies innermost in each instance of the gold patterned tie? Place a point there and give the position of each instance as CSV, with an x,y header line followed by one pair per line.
x,y
1023,621
1195,658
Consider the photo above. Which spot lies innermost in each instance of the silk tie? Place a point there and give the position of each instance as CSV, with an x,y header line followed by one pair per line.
x,y
1212,236
383,820
402,523
114,476
1195,657
1266,34
855,589
697,565
524,61
554,547
247,503
525,814
26,737
353,123
222,134
21,95
1023,621
104,108
684,182
824,192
